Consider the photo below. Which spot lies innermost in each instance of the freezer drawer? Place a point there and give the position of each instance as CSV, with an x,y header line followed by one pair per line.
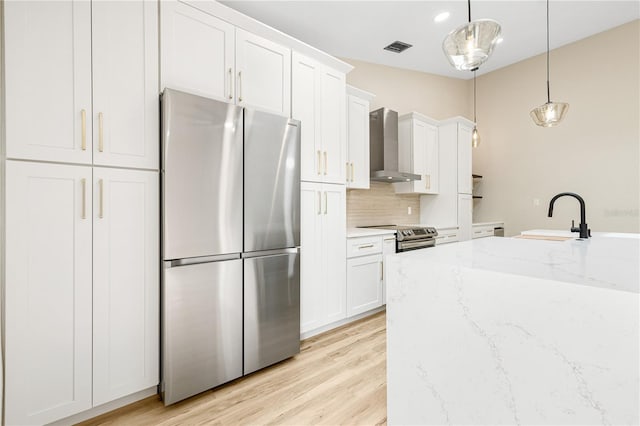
x,y
271,309
201,176
271,181
202,327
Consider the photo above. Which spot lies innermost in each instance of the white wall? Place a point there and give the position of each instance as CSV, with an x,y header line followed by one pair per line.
x,y
593,152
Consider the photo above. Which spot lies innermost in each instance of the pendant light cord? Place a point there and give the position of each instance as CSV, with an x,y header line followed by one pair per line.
x,y
548,90
474,98
469,5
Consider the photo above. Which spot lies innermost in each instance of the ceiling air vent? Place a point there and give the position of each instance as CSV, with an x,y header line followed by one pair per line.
x,y
397,47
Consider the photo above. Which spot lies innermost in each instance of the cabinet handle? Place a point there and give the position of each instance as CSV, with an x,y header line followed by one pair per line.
x,y
352,172
83,182
230,84
325,202
239,86
381,271
101,206
365,246
319,203
84,130
325,162
348,172
390,239
100,132
319,162
428,181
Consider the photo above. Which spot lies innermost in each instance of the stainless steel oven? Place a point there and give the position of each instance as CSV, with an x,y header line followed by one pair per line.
x,y
410,237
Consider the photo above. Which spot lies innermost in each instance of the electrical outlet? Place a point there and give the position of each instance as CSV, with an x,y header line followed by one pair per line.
x,y
409,210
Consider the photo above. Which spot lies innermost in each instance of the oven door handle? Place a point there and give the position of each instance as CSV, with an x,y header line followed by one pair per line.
x,y
408,245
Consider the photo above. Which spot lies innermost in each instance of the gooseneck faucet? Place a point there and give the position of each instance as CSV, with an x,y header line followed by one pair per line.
x,y
584,231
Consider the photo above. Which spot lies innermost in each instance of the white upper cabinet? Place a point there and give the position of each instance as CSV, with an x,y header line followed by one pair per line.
x,y
418,153
53,51
198,52
465,180
357,166
263,73
125,84
318,101
125,282
206,56
48,317
48,80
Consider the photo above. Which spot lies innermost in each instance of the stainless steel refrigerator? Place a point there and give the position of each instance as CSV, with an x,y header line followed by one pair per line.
x,y
230,242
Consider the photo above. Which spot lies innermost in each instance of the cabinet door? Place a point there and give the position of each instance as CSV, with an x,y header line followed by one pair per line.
x,y
125,283
357,142
197,51
465,183
305,106
333,126
125,83
364,284
312,290
263,70
432,166
48,80
48,292
465,213
334,235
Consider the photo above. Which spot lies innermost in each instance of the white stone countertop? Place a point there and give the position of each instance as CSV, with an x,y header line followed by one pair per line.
x,y
496,223
515,331
367,232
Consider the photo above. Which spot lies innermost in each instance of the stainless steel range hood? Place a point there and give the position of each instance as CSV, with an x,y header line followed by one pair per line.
x,y
383,154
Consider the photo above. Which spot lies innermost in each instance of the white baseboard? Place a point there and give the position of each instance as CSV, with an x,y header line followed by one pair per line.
x,y
336,324
105,408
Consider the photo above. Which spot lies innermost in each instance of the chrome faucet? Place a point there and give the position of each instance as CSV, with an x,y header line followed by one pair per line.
x,y
584,231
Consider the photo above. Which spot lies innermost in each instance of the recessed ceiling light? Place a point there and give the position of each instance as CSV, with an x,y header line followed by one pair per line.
x,y
440,17
499,40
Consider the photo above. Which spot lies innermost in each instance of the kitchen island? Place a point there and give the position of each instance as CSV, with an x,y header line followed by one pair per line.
x,y
515,331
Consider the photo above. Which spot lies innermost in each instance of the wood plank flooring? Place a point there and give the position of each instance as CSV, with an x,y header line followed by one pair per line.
x,y
339,378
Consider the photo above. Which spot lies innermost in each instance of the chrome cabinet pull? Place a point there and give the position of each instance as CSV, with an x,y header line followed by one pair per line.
x,y
319,203
319,162
84,130
325,202
230,83
381,271
100,132
365,246
83,182
325,162
101,206
239,86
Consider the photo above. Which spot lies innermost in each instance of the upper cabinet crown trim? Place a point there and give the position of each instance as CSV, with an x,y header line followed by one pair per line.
x,y
362,94
258,28
421,117
458,120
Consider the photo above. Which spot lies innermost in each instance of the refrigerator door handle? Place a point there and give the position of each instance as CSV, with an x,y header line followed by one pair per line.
x,y
202,259
263,253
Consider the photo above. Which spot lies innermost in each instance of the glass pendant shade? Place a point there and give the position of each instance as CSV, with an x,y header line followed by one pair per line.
x,y
549,114
470,45
475,138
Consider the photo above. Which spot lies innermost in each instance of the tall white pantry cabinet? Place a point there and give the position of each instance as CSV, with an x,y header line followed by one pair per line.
x,y
81,249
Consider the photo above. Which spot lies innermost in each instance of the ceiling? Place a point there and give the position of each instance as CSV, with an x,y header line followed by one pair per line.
x,y
360,29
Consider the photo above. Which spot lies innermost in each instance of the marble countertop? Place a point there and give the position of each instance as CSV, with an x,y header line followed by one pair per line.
x,y
515,331
496,223
607,262
367,232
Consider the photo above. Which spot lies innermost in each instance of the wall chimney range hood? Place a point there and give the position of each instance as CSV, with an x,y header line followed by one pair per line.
x,y
383,153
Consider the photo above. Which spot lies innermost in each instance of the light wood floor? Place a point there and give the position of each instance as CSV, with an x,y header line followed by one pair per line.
x,y
338,378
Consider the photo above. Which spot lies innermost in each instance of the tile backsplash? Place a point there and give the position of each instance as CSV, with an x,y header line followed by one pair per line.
x,y
380,205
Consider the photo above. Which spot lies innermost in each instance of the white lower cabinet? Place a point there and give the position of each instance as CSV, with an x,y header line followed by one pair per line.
x,y
388,247
322,255
78,332
47,292
465,213
125,283
364,284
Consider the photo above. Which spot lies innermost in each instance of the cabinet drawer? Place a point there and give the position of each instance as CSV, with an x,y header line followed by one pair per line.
x,y
446,238
482,232
363,246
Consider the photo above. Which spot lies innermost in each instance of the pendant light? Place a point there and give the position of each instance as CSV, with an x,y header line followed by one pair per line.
x,y
475,136
550,113
470,45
